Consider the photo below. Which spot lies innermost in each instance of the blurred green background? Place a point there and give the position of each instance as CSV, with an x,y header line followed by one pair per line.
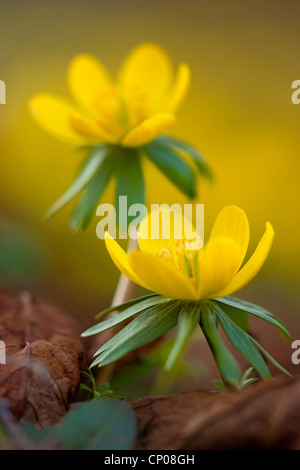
x,y
244,57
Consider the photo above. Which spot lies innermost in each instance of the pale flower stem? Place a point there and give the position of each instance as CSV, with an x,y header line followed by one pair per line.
x,y
124,292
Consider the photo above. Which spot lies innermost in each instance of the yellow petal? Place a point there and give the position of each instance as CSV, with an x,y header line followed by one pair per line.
x,y
120,258
148,130
86,77
90,129
179,89
160,276
251,268
162,227
53,115
232,222
217,266
149,67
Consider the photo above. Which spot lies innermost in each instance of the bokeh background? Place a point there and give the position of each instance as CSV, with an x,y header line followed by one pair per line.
x,y
244,56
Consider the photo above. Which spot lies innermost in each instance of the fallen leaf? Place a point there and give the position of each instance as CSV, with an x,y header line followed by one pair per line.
x,y
265,415
43,359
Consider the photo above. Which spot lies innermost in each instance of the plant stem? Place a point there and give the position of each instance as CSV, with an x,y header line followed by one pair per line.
x,y
124,292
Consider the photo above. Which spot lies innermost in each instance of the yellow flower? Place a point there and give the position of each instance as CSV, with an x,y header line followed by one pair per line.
x,y
192,285
184,269
130,111
119,123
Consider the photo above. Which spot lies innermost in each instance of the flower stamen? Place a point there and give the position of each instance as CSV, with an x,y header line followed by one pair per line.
x,y
184,254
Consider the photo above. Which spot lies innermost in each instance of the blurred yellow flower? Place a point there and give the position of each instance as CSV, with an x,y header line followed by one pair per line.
x,y
184,269
131,111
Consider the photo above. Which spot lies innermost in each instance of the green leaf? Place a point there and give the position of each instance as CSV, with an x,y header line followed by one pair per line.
x,y
37,435
244,382
192,152
108,424
120,317
246,374
239,317
88,171
242,342
177,170
270,358
106,391
130,182
125,305
248,382
145,328
86,207
227,365
188,320
256,311
86,388
90,376
219,384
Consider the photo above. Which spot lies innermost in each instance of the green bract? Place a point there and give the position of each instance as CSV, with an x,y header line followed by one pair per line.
x,y
108,161
155,315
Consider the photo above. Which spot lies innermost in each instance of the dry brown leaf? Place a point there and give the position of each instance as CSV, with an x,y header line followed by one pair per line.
x,y
263,416
44,357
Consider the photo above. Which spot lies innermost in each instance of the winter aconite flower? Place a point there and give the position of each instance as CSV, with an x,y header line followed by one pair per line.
x,y
172,269
193,284
121,120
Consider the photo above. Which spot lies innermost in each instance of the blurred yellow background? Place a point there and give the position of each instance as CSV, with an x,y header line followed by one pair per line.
x,y
243,56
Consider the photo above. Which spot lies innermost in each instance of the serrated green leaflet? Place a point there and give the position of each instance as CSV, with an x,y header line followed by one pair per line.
x,y
227,365
188,320
125,305
192,152
125,315
88,171
148,326
255,310
177,170
130,182
86,207
242,342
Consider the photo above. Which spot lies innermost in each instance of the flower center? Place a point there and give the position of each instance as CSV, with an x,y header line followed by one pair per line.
x,y
121,109
185,255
